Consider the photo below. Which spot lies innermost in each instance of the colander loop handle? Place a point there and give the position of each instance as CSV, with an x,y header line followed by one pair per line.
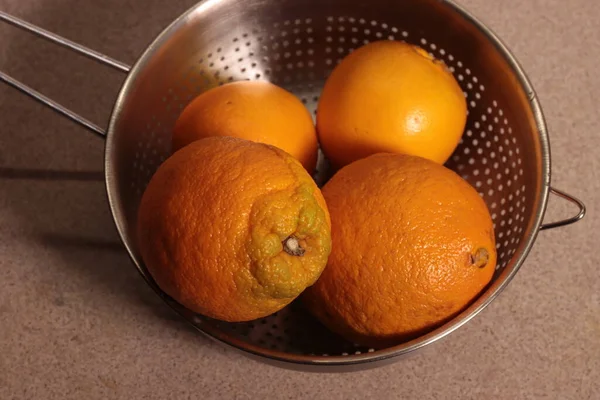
x,y
567,221
54,38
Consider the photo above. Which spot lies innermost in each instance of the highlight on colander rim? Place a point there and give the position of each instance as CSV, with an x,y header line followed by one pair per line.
x,y
383,149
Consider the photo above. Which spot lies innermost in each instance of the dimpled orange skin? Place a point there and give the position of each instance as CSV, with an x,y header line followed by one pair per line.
x,y
252,110
213,220
405,231
389,96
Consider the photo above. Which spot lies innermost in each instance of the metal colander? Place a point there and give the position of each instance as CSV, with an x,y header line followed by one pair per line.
x,y
504,152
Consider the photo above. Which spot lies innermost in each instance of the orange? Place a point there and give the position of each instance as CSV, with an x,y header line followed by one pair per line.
x,y
413,244
253,110
393,97
233,229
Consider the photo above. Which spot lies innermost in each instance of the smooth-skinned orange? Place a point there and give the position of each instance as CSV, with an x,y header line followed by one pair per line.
x,y
252,110
390,96
412,245
233,229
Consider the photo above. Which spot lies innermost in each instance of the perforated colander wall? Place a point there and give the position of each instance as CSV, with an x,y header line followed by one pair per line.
x,y
299,54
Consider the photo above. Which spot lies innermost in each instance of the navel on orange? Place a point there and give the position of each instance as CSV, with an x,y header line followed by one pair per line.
x,y
233,229
412,245
252,110
389,96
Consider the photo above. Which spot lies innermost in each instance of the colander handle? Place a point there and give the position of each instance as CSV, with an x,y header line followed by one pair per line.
x,y
567,221
94,55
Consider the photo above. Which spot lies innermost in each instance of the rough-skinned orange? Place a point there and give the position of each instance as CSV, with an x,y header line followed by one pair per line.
x,y
252,110
389,96
233,229
412,245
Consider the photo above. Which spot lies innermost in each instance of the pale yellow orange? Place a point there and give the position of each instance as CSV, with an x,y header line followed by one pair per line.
x,y
252,110
389,96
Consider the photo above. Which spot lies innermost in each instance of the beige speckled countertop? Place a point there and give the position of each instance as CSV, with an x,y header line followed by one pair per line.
x,y
78,322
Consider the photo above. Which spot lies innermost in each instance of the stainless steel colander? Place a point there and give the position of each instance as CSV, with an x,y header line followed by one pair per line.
x,y
504,153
